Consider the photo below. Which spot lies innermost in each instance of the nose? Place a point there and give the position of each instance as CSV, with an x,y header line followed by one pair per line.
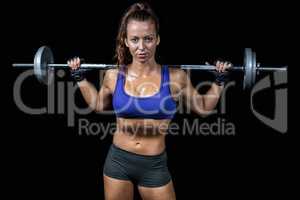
x,y
141,46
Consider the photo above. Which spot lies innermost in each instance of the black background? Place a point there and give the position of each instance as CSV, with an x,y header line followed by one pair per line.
x,y
50,159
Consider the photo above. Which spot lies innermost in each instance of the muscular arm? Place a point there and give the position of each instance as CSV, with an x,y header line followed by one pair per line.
x,y
99,101
202,104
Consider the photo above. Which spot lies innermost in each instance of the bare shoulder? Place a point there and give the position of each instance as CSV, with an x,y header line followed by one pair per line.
x,y
178,81
110,78
177,75
111,73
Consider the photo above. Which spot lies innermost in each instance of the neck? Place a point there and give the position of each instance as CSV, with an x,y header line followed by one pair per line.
x,y
143,68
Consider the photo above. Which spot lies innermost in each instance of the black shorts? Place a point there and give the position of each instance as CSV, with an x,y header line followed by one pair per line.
x,y
143,170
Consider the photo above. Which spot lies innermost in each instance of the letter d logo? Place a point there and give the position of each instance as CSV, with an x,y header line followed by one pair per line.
x,y
279,122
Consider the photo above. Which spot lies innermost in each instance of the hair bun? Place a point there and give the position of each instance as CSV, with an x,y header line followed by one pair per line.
x,y
142,6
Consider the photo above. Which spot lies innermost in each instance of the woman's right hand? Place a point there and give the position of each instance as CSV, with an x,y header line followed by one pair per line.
x,y
77,73
74,63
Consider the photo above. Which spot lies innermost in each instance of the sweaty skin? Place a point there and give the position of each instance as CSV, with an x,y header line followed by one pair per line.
x,y
143,79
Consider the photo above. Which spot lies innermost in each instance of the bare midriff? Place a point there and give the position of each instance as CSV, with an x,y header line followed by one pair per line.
x,y
141,136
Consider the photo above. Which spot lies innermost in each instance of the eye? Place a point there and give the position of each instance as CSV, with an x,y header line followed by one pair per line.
x,y
134,40
148,39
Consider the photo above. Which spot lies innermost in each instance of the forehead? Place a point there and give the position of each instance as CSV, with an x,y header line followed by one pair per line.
x,y
135,27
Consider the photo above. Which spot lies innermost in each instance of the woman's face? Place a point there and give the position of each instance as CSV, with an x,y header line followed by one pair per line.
x,y
142,40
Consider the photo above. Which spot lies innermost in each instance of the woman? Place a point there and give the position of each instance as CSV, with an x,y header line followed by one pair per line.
x,y
144,95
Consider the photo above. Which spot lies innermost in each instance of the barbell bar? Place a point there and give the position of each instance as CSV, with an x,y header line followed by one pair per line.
x,y
43,66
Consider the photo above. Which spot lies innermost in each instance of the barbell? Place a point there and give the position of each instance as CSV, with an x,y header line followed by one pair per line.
x,y
43,66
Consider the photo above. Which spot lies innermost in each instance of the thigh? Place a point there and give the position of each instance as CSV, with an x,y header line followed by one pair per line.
x,y
165,192
115,189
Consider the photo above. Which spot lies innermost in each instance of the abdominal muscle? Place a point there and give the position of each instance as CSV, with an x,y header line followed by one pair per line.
x,y
141,136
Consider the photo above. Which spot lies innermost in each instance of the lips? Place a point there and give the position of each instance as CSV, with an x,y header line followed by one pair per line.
x,y
142,55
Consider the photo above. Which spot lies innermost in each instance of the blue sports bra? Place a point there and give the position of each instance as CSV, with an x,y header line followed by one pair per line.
x,y
161,105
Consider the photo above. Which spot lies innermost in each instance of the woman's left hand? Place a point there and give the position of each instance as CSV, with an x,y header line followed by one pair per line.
x,y
222,66
221,72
